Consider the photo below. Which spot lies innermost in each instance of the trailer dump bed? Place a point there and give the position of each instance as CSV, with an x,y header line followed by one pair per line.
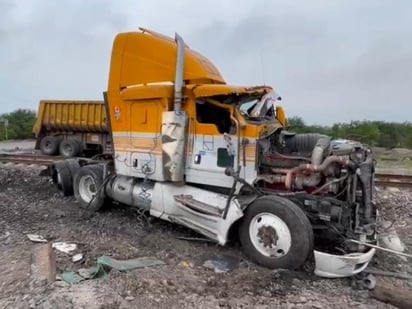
x,y
87,116
63,122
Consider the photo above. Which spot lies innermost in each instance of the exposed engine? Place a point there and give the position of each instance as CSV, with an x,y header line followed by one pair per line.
x,y
331,180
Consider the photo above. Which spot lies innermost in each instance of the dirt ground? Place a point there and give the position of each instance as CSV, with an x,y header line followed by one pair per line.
x,y
31,204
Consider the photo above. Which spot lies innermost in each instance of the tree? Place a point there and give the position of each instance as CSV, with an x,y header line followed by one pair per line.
x,y
296,124
20,124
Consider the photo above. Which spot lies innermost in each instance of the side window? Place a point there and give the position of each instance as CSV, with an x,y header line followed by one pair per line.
x,y
211,114
224,159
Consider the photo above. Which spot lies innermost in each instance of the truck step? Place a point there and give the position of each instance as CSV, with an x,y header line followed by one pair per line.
x,y
190,202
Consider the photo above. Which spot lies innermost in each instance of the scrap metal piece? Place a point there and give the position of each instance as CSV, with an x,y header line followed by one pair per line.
x,y
64,246
380,248
369,282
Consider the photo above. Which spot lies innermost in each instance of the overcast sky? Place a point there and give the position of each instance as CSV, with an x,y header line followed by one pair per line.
x,y
331,60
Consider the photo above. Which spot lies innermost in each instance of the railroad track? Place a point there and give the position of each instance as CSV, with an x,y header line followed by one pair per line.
x,y
381,179
29,159
393,180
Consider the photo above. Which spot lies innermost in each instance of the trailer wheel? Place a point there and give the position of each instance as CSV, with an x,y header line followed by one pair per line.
x,y
276,233
49,145
87,182
69,148
62,178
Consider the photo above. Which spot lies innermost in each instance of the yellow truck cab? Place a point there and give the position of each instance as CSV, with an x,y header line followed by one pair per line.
x,y
216,158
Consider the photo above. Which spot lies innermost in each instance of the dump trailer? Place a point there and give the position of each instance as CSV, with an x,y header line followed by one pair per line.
x,y
72,128
191,149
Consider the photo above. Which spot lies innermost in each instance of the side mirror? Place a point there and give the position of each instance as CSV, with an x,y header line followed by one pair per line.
x,y
229,171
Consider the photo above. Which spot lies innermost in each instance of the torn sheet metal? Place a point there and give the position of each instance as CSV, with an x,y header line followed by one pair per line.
x,y
337,266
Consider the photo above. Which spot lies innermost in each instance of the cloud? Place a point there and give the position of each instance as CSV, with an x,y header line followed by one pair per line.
x,y
330,60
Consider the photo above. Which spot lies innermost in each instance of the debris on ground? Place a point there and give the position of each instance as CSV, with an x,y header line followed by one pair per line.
x,y
222,263
77,257
43,263
64,247
183,282
388,237
400,298
36,238
105,264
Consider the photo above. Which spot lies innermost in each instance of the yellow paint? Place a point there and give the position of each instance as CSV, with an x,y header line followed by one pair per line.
x,y
281,115
58,115
143,58
140,89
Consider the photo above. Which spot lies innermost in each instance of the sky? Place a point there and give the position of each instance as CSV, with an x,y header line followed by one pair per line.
x,y
330,60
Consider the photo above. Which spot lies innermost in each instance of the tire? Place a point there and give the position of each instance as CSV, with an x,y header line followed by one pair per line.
x,y
62,178
284,227
87,181
73,165
55,175
69,148
49,145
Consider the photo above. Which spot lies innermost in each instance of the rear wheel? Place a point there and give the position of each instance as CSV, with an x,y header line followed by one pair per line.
x,y
276,233
49,145
87,187
69,148
63,175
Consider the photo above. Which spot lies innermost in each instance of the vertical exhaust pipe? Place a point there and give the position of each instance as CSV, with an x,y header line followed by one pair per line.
x,y
180,62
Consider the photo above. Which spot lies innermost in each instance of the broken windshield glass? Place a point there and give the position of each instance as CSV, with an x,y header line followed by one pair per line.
x,y
258,108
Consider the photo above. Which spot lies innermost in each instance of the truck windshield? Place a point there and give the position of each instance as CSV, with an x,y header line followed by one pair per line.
x,y
260,108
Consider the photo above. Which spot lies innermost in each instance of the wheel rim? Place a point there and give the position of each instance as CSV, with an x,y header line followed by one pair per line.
x,y
48,145
67,149
87,188
270,235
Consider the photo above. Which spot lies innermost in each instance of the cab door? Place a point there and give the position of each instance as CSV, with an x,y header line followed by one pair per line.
x,y
145,141
212,147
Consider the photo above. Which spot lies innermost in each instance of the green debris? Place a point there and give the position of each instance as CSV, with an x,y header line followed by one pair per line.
x,y
105,264
128,264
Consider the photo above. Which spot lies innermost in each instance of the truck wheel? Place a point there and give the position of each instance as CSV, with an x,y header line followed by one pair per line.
x,y
69,148
49,145
62,178
87,182
72,165
276,233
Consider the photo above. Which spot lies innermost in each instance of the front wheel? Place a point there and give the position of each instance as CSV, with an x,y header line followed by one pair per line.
x,y
276,233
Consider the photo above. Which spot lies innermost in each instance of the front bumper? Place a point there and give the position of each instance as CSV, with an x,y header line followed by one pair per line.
x,y
337,266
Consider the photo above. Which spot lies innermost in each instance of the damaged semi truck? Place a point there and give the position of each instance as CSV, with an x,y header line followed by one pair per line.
x,y
193,150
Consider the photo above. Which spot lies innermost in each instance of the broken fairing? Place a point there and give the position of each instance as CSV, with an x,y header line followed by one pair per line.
x,y
337,266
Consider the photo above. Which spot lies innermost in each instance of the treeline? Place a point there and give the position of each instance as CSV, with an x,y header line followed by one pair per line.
x,y
374,133
17,124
